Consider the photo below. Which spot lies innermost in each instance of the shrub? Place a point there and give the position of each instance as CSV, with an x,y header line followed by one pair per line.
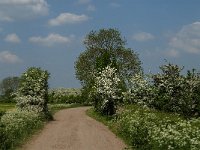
x,y
168,91
148,129
65,95
16,125
140,91
177,93
33,90
106,92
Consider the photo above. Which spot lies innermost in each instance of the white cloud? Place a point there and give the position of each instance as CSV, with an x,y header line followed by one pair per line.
x,y
91,8
51,40
143,36
187,39
172,53
67,18
8,57
5,18
12,38
11,10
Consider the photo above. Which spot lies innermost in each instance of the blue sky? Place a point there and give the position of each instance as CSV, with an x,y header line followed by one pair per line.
x,y
49,33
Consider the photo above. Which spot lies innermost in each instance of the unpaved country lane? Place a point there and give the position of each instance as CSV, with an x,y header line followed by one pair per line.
x,y
74,130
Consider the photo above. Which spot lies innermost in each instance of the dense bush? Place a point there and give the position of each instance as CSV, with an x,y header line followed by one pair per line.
x,y
33,90
16,125
140,91
167,91
65,95
148,129
106,91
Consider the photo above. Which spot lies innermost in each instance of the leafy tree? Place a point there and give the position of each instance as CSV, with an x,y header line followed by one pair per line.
x,y
106,47
106,91
8,86
33,91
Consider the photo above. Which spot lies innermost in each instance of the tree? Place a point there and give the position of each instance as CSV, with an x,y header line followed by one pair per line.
x,y
106,91
8,86
106,47
33,91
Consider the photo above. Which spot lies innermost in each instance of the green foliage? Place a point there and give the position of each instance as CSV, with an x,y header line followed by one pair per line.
x,y
65,95
33,91
167,91
106,92
8,86
148,129
140,91
105,47
16,125
177,93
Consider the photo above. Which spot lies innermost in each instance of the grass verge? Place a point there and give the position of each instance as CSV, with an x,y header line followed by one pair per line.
x,y
17,127
7,106
107,121
149,129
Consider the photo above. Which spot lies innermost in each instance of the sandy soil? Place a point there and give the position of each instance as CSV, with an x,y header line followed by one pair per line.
x,y
74,130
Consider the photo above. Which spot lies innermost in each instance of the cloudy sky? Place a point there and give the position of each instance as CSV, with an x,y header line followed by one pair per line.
x,y
49,33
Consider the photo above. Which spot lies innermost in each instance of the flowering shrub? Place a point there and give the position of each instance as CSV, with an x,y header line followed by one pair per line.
x,y
33,91
17,124
106,92
65,95
167,91
140,91
177,93
148,129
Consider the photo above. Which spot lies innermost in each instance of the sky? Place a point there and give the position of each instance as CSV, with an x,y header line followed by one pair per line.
x,y
50,33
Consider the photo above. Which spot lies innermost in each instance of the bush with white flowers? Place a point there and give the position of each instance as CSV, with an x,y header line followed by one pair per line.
x,y
147,129
33,91
140,91
106,92
65,95
16,125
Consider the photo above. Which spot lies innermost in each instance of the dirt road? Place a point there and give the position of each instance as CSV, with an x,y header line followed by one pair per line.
x,y
74,130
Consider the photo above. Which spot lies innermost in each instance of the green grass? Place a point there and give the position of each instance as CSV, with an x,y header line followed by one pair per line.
x,y
7,106
107,121
56,107
122,129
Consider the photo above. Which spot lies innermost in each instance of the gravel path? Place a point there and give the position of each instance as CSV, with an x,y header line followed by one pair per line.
x,y
74,130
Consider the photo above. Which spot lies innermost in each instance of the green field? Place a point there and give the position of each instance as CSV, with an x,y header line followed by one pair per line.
x,y
6,106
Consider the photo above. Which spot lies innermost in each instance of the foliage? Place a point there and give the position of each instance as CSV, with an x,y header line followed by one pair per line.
x,y
167,91
140,91
177,93
17,125
105,47
33,91
106,92
148,129
65,95
8,86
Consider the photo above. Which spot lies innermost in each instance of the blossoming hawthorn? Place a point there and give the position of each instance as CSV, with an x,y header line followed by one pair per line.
x,y
106,91
33,91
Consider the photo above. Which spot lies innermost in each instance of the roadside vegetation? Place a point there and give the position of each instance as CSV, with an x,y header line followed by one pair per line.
x,y
148,111
153,111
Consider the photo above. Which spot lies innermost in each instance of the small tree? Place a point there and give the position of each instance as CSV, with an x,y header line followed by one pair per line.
x,y
106,91
33,91
106,47
8,86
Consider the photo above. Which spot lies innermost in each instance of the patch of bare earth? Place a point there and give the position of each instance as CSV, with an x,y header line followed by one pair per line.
x,y
74,130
